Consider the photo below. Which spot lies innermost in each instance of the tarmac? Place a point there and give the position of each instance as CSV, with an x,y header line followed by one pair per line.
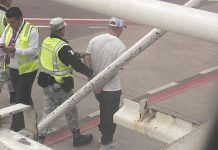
x,y
172,58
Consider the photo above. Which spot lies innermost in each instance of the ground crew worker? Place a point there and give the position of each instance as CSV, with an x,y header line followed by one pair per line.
x,y
58,61
4,71
101,52
20,44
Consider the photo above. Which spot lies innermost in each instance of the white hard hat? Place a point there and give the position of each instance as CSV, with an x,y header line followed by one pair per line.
x,y
57,23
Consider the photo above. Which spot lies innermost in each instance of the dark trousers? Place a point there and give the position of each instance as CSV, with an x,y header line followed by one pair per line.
x,y
212,144
22,85
12,97
109,104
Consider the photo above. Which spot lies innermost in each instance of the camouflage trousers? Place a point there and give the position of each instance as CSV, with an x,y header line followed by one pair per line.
x,y
5,79
53,97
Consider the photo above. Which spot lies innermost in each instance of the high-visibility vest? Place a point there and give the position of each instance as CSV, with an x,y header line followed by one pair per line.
x,y
2,28
50,61
2,22
26,64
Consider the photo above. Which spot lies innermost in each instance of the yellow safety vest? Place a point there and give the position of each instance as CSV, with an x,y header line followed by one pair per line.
x,y
2,28
50,61
26,64
2,22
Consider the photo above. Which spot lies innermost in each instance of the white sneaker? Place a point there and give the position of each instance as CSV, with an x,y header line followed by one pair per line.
x,y
110,146
114,145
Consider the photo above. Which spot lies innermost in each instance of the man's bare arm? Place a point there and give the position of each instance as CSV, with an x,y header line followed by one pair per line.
x,y
87,60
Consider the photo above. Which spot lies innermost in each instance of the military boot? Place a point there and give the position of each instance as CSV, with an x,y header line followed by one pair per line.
x,y
79,139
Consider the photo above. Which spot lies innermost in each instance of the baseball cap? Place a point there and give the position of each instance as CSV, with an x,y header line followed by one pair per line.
x,y
115,22
57,23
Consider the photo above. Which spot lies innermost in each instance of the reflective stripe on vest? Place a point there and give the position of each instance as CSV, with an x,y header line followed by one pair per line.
x,y
50,61
26,64
2,19
2,28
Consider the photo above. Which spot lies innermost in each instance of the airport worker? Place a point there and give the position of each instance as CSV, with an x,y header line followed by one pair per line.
x,y
4,71
20,42
58,61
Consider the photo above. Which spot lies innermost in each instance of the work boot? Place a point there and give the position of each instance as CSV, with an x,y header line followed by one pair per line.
x,y
79,139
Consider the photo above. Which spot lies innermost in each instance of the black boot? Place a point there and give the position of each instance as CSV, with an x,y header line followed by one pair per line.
x,y
79,139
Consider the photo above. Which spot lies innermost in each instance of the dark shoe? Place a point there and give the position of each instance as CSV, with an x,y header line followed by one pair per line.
x,y
79,139
41,139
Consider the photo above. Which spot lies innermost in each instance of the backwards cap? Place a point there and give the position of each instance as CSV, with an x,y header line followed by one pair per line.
x,y
115,22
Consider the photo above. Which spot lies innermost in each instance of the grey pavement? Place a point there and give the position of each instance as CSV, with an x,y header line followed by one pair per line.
x,y
126,140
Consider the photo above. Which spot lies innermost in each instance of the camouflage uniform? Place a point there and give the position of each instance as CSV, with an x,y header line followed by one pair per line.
x,y
4,73
5,76
58,61
54,96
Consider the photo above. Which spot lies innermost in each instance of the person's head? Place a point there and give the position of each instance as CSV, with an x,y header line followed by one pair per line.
x,y
6,3
116,26
57,26
14,17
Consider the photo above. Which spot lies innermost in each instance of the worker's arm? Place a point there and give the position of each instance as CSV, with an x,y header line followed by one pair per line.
x,y
2,43
87,60
68,57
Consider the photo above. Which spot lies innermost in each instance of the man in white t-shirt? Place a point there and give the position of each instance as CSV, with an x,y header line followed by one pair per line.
x,y
101,52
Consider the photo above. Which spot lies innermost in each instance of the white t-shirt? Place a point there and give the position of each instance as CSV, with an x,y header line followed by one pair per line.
x,y
104,49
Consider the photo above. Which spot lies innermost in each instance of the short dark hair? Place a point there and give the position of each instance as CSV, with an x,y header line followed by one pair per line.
x,y
14,12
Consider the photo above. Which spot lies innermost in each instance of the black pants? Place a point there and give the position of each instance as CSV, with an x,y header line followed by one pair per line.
x,y
22,85
109,104
212,144
12,97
